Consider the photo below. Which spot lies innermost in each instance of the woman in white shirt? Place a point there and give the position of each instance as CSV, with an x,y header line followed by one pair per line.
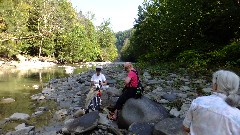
x,y
216,114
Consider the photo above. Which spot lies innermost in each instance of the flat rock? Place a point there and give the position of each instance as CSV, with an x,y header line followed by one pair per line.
x,y
19,116
207,90
169,126
111,82
82,124
139,128
170,97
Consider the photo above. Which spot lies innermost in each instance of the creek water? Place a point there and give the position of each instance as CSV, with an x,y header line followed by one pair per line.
x,y
21,85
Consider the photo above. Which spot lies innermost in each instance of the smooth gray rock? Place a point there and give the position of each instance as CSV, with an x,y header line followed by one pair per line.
x,y
140,128
207,90
103,120
141,110
82,124
19,116
169,126
175,112
152,82
185,88
112,91
37,113
170,97
111,82
87,83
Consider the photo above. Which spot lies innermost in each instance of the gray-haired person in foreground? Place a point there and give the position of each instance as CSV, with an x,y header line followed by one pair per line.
x,y
216,114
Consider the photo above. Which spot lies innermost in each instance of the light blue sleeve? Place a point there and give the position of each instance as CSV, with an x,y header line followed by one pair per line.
x,y
189,115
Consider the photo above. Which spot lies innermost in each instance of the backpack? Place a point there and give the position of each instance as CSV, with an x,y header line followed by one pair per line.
x,y
139,91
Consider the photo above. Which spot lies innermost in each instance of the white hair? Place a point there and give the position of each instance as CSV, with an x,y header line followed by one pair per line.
x,y
227,83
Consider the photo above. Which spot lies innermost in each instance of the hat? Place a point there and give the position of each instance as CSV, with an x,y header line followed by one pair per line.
x,y
98,68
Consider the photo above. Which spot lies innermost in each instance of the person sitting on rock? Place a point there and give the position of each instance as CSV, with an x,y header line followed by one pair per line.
x,y
216,114
131,83
98,79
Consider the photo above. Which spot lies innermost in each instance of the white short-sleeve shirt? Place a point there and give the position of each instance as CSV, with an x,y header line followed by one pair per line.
x,y
96,78
211,115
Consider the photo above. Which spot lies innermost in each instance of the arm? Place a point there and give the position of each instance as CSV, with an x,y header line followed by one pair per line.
x,y
188,119
127,80
104,82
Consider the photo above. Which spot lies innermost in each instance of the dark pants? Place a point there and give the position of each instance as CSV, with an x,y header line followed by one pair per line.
x,y
129,92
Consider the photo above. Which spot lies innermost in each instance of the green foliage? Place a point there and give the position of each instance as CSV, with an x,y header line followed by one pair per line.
x,y
176,30
42,28
107,40
192,59
228,55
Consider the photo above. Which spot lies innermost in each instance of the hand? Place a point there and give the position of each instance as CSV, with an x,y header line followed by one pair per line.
x,y
186,129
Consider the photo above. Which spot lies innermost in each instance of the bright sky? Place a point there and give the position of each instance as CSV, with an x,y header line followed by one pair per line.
x,y
120,12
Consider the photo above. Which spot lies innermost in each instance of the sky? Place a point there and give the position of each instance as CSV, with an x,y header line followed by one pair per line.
x,y
120,12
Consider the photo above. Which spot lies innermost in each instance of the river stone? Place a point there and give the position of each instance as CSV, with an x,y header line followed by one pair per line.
x,y
82,124
7,100
141,110
169,126
37,113
112,91
140,128
60,114
79,113
207,90
103,120
152,82
170,97
81,80
175,112
111,82
19,116
87,83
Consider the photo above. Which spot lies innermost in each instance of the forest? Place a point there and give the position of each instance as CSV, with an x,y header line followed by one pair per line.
x,y
196,34
53,29
192,33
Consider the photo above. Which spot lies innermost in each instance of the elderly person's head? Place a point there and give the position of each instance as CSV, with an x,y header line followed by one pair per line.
x,y
128,66
227,82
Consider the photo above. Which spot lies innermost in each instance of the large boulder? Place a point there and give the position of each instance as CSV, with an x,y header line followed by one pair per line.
x,y
108,100
112,91
82,124
141,110
169,126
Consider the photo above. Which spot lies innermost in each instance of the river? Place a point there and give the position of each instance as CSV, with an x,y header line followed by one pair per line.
x,y
21,85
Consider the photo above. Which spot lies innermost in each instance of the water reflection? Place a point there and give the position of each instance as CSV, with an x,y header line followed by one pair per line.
x,y
20,85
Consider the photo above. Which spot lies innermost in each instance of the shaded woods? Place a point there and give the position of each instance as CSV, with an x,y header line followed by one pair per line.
x,y
195,34
53,28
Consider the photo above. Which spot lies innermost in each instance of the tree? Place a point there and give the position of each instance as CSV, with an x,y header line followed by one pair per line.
x,y
106,40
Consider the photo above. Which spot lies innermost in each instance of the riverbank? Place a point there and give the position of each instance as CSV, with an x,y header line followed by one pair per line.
x,y
173,90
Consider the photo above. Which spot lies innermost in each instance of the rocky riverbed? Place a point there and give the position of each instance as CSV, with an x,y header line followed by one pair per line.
x,y
161,110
